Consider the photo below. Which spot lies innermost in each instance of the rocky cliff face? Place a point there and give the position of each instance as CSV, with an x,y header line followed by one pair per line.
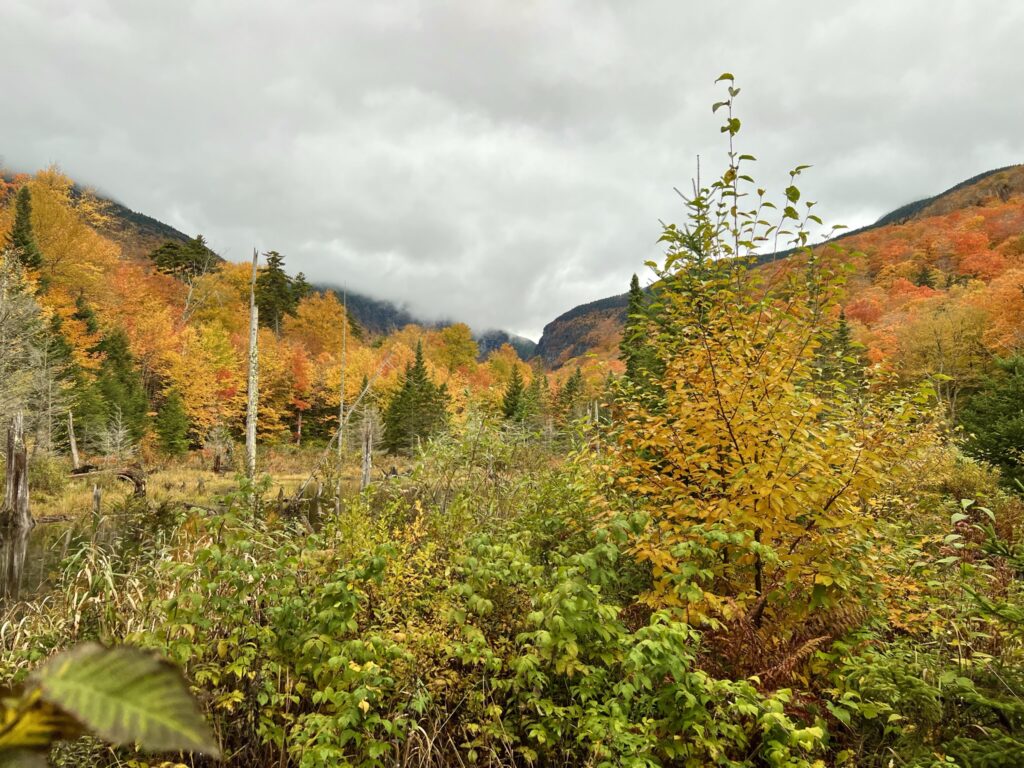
x,y
586,328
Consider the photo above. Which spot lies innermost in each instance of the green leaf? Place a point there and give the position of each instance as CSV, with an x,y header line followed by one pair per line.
x,y
725,76
841,713
125,695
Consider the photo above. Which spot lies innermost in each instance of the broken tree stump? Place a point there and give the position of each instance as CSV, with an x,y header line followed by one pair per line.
x,y
15,513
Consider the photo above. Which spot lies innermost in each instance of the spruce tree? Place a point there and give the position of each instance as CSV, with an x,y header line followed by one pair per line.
x,y
571,398
534,402
277,294
634,348
84,398
417,410
839,357
22,239
172,425
85,314
512,400
121,386
185,261
993,419
924,277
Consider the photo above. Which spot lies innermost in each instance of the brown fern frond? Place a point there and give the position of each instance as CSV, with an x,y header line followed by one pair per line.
x,y
781,673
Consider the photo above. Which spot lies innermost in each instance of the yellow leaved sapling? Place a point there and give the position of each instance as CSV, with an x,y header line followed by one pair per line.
x,y
752,445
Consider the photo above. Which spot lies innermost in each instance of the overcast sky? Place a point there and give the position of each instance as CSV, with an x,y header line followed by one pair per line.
x,y
496,162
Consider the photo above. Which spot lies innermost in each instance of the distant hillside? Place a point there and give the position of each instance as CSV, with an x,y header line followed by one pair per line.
x,y
378,317
596,326
489,341
1001,182
583,329
138,234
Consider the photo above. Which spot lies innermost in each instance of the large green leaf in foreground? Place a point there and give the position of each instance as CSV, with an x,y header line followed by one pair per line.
x,y
126,696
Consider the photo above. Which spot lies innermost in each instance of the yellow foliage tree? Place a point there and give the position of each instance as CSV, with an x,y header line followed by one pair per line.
x,y
751,472
943,343
456,348
317,324
208,372
75,255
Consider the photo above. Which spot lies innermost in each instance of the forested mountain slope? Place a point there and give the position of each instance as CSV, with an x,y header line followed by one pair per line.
x,y
935,232
138,235
145,328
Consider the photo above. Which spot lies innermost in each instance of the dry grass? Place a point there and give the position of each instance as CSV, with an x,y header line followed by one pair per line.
x,y
189,479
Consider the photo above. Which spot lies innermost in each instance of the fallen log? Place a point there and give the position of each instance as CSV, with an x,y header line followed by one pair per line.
x,y
134,475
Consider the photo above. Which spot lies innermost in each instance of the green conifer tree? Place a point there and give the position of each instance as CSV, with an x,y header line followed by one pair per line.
x,y
571,399
634,348
839,357
185,261
22,238
121,386
172,425
83,395
993,419
534,403
924,277
277,294
417,410
512,401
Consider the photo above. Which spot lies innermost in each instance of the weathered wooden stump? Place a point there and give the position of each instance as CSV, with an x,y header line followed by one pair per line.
x,y
13,547
15,513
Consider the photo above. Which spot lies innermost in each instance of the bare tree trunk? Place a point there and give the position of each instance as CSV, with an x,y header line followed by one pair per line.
x,y
341,388
254,364
367,452
15,513
13,547
49,402
76,461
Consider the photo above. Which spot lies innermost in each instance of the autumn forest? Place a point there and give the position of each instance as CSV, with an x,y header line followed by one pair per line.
x,y
764,510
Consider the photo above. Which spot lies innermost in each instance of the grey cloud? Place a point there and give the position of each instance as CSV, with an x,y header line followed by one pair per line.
x,y
492,161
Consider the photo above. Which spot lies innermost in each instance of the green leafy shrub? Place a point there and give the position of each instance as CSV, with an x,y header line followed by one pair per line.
x,y
48,474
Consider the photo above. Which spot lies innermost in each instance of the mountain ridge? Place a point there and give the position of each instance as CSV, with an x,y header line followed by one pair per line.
x,y
595,325
139,234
